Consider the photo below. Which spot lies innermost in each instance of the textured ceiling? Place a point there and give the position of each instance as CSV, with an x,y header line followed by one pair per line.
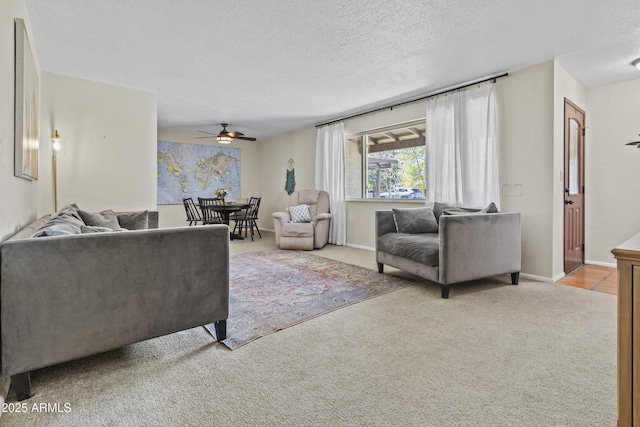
x,y
272,66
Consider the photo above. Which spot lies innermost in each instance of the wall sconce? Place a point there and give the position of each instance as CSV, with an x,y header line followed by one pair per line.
x,y
636,64
224,139
56,145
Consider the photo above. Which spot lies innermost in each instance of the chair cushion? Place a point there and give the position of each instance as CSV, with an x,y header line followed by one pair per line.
x,y
423,248
297,229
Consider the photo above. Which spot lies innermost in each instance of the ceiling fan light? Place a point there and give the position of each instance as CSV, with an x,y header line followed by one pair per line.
x,y
224,140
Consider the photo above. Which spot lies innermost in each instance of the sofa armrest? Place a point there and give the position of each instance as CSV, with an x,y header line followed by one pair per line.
x,y
475,246
71,296
384,223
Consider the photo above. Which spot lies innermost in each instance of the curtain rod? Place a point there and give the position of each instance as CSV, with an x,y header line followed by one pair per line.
x,y
491,79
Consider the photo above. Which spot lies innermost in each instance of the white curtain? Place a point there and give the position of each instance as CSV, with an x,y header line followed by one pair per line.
x,y
462,159
330,177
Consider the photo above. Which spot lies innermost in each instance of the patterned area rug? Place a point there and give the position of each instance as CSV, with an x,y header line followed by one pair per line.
x,y
274,289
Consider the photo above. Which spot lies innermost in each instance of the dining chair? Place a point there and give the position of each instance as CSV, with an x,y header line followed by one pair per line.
x,y
249,220
211,215
193,216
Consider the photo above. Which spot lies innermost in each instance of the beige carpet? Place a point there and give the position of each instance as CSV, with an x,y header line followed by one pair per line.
x,y
494,354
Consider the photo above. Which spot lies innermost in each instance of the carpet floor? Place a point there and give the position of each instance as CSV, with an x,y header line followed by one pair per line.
x,y
274,289
537,354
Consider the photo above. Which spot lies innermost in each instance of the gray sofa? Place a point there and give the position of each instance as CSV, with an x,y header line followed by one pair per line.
x,y
73,294
461,245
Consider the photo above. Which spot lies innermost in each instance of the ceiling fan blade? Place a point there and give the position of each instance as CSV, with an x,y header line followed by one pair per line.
x,y
204,137
208,133
246,138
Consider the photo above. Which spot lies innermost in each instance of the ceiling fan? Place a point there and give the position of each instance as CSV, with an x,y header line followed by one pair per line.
x,y
225,137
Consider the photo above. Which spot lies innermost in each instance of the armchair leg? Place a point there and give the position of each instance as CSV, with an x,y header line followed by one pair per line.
x,y
444,289
22,385
515,277
380,268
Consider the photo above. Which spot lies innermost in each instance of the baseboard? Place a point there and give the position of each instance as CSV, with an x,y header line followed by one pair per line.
x,y
603,264
364,248
541,278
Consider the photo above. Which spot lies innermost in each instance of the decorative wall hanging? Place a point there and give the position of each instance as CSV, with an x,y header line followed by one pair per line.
x,y
290,183
194,170
27,100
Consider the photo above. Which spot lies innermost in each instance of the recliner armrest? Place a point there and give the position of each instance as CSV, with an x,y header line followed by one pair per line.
x,y
320,217
283,217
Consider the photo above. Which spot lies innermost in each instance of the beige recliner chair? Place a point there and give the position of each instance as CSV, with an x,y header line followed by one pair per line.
x,y
304,235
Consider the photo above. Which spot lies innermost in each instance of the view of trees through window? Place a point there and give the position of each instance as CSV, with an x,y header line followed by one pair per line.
x,y
395,163
397,173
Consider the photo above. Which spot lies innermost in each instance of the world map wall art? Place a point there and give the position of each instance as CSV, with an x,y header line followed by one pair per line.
x,y
194,170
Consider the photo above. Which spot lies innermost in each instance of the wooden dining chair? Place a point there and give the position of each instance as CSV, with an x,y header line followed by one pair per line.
x,y
249,220
211,215
193,216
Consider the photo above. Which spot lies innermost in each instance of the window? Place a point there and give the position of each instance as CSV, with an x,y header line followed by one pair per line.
x,y
393,164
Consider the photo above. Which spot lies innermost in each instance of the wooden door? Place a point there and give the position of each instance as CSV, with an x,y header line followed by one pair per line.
x,y
574,133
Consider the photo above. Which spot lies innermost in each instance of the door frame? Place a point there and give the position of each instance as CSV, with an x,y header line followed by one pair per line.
x,y
582,174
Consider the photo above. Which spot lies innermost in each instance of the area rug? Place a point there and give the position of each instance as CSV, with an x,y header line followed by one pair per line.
x,y
275,289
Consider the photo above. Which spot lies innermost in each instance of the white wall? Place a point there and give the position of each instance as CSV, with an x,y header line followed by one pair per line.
x,y
274,153
250,172
613,169
109,144
18,197
524,102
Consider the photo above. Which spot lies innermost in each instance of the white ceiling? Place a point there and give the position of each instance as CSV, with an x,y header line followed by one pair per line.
x,y
272,66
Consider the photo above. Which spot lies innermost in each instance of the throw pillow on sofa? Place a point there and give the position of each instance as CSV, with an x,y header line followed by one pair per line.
x,y
415,220
105,219
134,220
491,208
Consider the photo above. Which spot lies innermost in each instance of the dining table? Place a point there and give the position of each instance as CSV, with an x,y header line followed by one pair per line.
x,y
226,210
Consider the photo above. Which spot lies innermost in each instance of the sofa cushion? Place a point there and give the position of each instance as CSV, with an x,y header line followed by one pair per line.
x,y
422,248
415,220
106,219
300,213
138,220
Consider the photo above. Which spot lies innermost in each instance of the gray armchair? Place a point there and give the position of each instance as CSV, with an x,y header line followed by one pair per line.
x,y
304,235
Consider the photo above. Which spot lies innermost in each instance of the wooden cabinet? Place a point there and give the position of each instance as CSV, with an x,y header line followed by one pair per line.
x,y
628,256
